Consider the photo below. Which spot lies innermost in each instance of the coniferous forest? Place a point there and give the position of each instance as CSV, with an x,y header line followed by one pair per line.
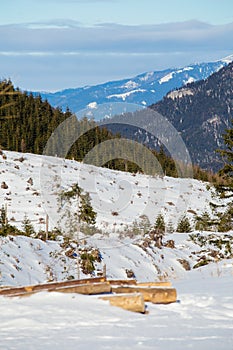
x,y
27,122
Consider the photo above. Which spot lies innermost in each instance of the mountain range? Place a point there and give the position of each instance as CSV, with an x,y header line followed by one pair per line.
x,y
200,112
143,90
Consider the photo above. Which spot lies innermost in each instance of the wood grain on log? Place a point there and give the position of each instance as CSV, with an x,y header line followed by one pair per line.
x,y
155,295
131,302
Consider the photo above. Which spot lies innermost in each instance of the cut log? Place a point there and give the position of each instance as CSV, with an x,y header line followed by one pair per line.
x,y
154,295
131,302
154,284
122,282
87,289
48,286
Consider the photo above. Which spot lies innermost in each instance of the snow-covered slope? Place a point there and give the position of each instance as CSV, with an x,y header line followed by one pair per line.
x,y
33,183
202,317
143,90
121,200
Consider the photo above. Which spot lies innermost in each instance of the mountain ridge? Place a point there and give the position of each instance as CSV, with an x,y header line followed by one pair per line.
x,y
144,89
201,112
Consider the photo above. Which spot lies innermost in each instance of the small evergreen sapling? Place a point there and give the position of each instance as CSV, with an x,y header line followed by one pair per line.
x,y
184,225
27,226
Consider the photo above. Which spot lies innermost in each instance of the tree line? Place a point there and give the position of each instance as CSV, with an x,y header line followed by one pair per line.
x,y
27,122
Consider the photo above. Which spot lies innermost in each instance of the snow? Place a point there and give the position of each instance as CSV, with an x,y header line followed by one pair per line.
x,y
147,76
200,319
130,85
227,59
130,195
126,94
166,78
92,105
180,93
188,68
190,80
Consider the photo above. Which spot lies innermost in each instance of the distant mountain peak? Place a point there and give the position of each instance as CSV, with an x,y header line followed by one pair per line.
x,y
143,90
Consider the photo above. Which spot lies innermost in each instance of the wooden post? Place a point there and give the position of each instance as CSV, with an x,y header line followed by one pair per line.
x,y
104,271
46,227
78,236
5,213
78,267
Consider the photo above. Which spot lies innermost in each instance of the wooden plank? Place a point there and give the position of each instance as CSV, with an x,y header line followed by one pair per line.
x,y
156,295
131,302
87,289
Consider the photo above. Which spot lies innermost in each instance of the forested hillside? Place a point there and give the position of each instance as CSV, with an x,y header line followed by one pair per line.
x,y
27,123
201,112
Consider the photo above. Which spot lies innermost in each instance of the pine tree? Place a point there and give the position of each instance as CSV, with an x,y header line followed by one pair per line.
x,y
3,221
184,225
87,214
225,223
203,222
3,217
160,224
226,189
27,226
83,211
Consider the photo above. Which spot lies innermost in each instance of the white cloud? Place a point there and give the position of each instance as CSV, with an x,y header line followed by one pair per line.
x,y
59,36
66,54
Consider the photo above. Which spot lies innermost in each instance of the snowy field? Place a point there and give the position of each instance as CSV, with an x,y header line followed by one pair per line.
x,y
201,319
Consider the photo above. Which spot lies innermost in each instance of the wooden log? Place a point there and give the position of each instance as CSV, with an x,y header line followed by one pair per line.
x,y
154,295
87,289
154,284
122,282
131,302
48,286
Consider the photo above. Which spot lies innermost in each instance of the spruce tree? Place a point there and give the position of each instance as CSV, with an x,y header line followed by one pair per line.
x,y
83,211
226,189
160,224
184,225
27,226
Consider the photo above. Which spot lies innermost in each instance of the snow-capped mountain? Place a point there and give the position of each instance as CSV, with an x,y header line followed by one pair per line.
x,y
143,90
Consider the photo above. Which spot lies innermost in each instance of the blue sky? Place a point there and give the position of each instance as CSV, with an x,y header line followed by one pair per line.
x,y
55,44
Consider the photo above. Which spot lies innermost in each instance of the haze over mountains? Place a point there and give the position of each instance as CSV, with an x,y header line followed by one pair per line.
x,y
144,89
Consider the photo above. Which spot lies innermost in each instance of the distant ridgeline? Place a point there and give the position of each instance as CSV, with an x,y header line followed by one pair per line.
x,y
27,123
